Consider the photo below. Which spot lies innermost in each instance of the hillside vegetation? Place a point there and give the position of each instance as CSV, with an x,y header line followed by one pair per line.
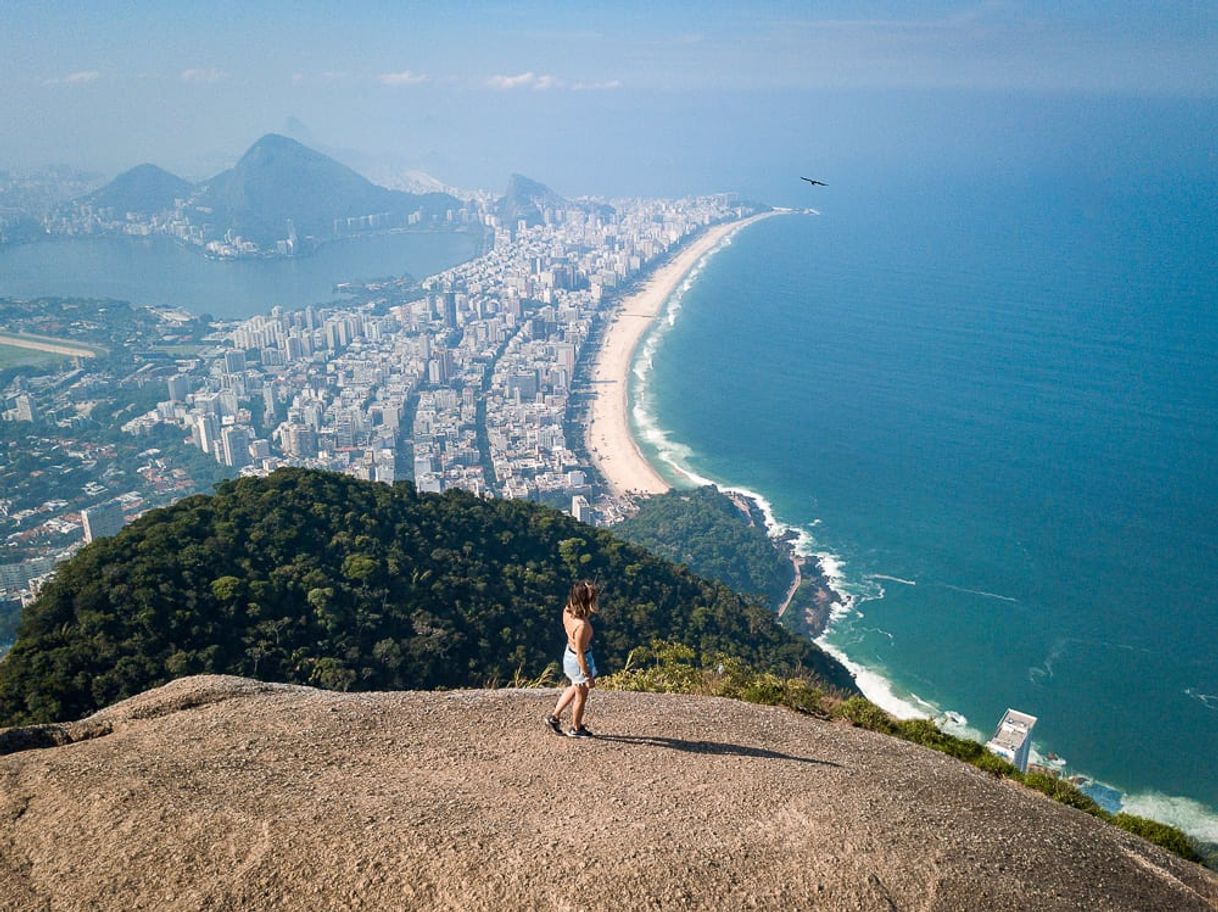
x,y
317,578
706,531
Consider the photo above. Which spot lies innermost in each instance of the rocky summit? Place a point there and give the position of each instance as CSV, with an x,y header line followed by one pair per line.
x,y
224,793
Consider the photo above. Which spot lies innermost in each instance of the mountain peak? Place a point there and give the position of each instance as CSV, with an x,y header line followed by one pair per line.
x,y
277,142
526,199
280,180
145,189
229,791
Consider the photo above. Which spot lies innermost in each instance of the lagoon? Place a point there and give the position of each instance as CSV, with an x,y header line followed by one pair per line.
x,y
160,272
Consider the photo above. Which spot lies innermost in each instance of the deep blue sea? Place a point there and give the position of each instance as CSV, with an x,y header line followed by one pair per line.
x,y
992,405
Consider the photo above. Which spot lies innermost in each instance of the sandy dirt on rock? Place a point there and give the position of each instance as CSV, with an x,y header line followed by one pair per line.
x,y
223,794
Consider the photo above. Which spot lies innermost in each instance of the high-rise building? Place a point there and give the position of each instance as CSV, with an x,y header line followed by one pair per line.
x,y
234,361
581,509
102,520
208,403
179,387
1013,739
302,442
270,405
450,309
235,444
206,433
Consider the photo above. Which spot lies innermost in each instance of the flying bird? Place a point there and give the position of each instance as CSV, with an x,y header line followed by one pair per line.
x,y
814,183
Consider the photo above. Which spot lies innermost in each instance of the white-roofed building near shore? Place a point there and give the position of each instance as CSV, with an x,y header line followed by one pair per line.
x,y
1012,740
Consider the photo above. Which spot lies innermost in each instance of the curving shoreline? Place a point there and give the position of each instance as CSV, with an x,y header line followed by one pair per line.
x,y
610,439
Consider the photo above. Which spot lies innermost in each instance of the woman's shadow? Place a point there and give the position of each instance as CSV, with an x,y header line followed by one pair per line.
x,y
711,747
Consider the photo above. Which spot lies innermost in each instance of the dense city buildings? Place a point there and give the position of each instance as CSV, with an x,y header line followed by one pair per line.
x,y
468,385
471,379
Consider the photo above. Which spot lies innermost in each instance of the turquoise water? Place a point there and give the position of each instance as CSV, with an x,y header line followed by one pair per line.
x,y
159,272
995,410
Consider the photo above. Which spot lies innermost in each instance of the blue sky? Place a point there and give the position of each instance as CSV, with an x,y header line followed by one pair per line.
x,y
472,91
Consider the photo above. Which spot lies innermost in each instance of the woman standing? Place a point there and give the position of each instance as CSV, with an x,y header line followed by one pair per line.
x,y
577,661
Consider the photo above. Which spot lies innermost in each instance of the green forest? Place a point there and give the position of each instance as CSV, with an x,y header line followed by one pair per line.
x,y
318,578
705,530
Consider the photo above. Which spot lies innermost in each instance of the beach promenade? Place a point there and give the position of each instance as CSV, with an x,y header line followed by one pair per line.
x,y
610,440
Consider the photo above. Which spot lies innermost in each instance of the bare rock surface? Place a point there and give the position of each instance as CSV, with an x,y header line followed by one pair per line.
x,y
221,794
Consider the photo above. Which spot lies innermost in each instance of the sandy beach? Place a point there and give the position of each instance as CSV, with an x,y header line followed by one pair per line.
x,y
610,440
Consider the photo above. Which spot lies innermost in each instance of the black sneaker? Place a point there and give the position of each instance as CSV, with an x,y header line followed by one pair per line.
x,y
554,724
580,732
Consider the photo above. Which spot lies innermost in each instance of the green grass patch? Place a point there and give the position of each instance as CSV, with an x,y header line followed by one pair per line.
x,y
667,667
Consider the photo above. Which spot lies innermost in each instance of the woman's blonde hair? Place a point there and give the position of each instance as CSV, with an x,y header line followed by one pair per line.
x,y
581,601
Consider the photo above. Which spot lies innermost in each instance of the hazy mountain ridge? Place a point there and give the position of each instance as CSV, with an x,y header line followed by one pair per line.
x,y
218,792
280,181
277,189
526,200
145,189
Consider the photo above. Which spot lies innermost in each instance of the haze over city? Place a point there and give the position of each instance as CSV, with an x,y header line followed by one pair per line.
x,y
633,98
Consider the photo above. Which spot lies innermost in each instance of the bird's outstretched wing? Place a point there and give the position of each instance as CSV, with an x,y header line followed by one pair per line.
x,y
814,183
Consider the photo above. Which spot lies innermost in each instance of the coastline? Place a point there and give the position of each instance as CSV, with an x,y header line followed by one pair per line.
x,y
610,439
816,595
827,596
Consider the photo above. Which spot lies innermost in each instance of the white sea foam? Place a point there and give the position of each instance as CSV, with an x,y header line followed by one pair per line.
x,y
1193,817
980,592
892,579
876,687
1209,701
1045,669
673,454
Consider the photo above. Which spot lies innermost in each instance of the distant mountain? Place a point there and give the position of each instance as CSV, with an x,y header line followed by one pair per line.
x,y
145,189
279,180
527,199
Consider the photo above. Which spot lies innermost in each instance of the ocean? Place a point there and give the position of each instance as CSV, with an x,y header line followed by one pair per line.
x,y
159,272
991,406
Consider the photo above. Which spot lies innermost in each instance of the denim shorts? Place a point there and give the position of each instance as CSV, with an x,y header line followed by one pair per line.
x,y
570,666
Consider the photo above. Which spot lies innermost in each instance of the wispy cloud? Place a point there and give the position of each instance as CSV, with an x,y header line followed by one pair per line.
x,y
81,77
596,86
529,80
404,78
203,75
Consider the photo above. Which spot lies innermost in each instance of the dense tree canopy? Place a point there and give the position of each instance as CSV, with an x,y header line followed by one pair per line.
x,y
707,532
318,578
